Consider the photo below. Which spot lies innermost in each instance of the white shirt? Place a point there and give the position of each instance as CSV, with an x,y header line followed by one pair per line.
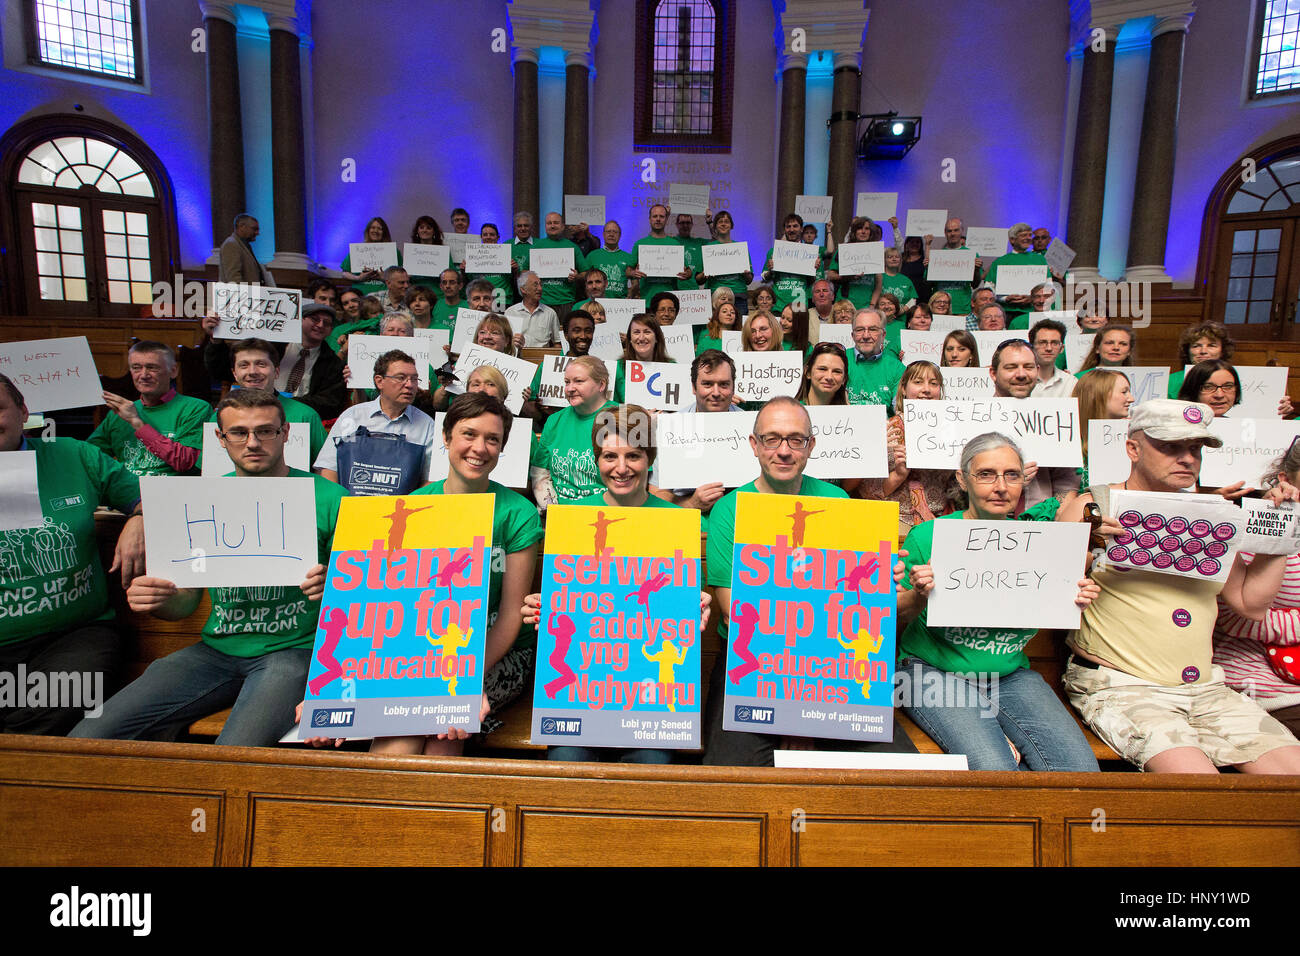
x,y
540,327
1060,385
287,363
413,425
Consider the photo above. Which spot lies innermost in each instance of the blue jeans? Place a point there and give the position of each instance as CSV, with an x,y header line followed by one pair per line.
x,y
612,754
976,722
197,681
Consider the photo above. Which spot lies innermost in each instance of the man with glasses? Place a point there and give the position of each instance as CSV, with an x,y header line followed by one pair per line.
x,y
874,372
161,433
782,442
954,236
1020,255
1047,339
257,669
1014,371
391,413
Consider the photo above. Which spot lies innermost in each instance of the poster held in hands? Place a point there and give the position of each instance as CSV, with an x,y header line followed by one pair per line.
x,y
364,349
551,263
926,222
726,258
588,209
1191,535
878,207
813,209
252,311
364,256
861,258
425,259
53,373
487,258
20,501
689,198
988,242
951,265
795,258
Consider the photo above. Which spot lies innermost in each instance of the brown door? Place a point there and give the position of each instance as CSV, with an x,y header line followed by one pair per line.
x,y
1255,283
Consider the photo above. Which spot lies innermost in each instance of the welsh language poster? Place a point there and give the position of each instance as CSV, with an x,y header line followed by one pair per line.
x,y
403,622
618,645
811,649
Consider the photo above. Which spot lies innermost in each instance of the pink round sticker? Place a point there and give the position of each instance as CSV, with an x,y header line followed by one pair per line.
x,y
1140,558
1124,537
1130,518
1170,543
1209,567
1191,674
1200,527
1216,549
1177,525
1182,617
1162,560
1185,564
1118,553
1193,546
1224,531
1147,540
1153,522
1192,414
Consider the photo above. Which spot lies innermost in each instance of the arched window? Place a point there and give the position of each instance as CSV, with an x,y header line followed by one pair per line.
x,y
91,222
685,50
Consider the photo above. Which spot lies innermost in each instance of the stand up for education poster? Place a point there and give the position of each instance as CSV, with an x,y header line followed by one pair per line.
x,y
403,622
811,649
618,646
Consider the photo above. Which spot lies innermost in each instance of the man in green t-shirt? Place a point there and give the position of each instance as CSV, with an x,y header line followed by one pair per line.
x,y
1021,237
55,619
256,645
161,433
558,293
782,442
789,288
691,254
253,364
874,371
650,286
449,301
613,261
954,234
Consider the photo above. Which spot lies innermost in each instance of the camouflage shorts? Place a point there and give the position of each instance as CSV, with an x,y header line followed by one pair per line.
x,y
507,679
1138,719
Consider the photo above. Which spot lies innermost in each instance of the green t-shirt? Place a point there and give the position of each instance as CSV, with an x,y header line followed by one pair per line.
x,y
900,287
1026,258
788,287
295,412
873,382
51,578
559,292
519,255
614,264
704,341
894,337
735,281
444,315
1175,383
653,285
694,260
251,622
564,450
180,418
359,327
958,292
370,288
598,501
722,529
515,527
957,649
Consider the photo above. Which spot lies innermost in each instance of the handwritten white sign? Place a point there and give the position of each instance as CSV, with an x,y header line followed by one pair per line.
x,y
966,384
220,532
689,198
619,312
1108,460
841,334
424,259
458,242
988,342
921,346
679,341
1058,256
662,385
850,442
948,323
926,222
512,467
696,448
813,209
487,258
726,258
878,207
607,343
695,306
364,349
1007,574
251,311
796,258
1146,382
437,338
462,334
1250,445
1019,280
584,209
20,500
764,375
363,256
951,265
732,342
661,260
1046,429
53,373
1077,347
215,462
551,263
1189,535
987,241
861,258
518,373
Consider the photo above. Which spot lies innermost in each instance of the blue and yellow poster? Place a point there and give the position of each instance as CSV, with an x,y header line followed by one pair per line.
x,y
400,641
618,646
811,650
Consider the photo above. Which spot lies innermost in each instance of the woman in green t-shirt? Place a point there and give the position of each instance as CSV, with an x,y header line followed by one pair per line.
x,y
724,318
563,468
965,661
370,280
645,343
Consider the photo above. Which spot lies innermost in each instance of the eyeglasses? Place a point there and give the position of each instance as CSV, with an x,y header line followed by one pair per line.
x,y
773,442
987,476
1229,389
239,436
402,379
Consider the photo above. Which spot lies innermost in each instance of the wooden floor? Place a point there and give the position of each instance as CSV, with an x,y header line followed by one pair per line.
x,y
100,803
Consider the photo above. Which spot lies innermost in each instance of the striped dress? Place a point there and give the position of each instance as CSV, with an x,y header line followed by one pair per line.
x,y
1239,643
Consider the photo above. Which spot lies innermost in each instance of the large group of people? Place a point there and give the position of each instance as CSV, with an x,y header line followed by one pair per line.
x,y
1157,667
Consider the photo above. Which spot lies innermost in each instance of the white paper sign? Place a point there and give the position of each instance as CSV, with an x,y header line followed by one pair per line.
x,y
458,242
850,442
1007,574
679,341
987,241
732,342
966,384
1066,317
951,265
695,307
584,209
878,207
424,259
517,372
1046,429
512,466
988,342
661,260
607,344
1249,447
861,258
1262,388
921,346
364,349
1189,535
1058,256
696,448
363,256
215,462
926,222
1108,461
551,386
222,533
551,263
813,209
437,338
1146,382
251,311
1270,530
764,375
462,335
20,501
796,258
662,385
53,373
1019,280
840,334
689,198
619,312
726,258
487,258
948,323
1077,347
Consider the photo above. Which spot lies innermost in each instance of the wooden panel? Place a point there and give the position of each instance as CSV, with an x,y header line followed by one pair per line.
x,y
841,842
298,832
1175,843
557,838
106,826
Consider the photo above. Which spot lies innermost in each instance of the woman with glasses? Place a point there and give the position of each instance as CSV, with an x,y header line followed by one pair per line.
x,y
1216,383
1029,721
